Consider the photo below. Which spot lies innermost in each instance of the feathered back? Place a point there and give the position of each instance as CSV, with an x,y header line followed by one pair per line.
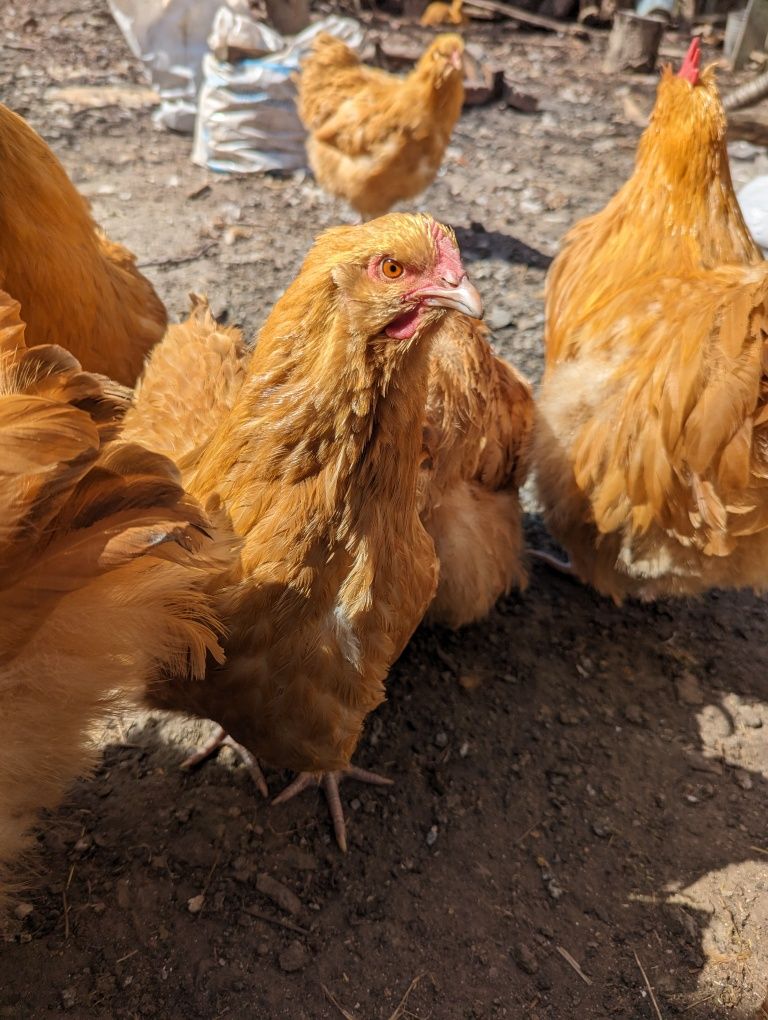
x,y
678,211
190,383
75,286
102,560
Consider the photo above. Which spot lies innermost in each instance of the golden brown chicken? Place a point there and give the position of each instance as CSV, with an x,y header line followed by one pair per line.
x,y
375,139
479,424
439,13
189,384
102,555
652,438
75,286
317,465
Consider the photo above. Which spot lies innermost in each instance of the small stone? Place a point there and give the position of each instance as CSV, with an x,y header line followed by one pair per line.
x,y
195,903
743,779
441,739
68,997
278,893
432,835
499,317
689,690
633,714
525,958
294,958
22,911
124,893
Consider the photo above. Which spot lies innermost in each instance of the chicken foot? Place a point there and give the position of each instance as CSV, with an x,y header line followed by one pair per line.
x,y
219,739
330,784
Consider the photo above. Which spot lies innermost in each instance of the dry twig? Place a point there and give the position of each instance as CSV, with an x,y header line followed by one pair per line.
x,y
400,1010
178,260
255,912
335,1002
648,986
570,960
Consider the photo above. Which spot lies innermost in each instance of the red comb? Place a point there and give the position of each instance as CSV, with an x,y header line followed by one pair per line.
x,y
690,66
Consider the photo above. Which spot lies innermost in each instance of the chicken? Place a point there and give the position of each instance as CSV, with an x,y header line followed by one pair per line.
x,y
438,13
102,555
375,139
75,286
189,385
317,465
479,423
652,436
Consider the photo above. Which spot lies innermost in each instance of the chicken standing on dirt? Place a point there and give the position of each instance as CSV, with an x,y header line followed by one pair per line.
x,y
652,437
375,139
317,466
75,286
102,554
479,423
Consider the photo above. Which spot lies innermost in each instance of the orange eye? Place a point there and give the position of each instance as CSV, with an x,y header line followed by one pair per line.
x,y
391,269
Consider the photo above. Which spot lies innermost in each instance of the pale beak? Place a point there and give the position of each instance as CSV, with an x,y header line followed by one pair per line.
x,y
462,296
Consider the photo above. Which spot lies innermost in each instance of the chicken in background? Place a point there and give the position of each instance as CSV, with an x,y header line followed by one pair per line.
x,y
439,13
75,286
652,435
479,424
102,555
375,139
317,465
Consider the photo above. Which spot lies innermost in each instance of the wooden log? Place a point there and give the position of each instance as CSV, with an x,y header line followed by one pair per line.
x,y
288,16
633,44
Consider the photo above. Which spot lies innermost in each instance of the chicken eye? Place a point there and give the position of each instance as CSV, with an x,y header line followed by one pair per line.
x,y
391,269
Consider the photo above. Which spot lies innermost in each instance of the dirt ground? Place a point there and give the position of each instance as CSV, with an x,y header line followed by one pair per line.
x,y
580,801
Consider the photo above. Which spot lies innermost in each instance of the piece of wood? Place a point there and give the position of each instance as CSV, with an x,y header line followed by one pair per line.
x,y
288,16
752,34
528,17
633,44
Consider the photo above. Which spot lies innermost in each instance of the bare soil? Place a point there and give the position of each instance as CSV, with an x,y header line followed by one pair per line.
x,y
579,813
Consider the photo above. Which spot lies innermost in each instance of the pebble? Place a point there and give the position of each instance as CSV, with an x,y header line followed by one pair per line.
x,y
689,690
743,779
441,739
195,903
499,317
22,911
294,958
525,958
278,893
68,997
633,714
432,835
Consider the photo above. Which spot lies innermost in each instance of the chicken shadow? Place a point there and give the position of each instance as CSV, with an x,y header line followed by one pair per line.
x,y
571,776
476,243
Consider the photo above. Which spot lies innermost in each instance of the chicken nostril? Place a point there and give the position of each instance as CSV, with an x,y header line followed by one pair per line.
x,y
451,279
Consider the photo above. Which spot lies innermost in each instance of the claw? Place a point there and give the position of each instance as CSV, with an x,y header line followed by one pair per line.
x,y
219,739
330,784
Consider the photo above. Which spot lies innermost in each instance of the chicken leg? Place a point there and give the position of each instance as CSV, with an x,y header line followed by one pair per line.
x,y
219,739
330,784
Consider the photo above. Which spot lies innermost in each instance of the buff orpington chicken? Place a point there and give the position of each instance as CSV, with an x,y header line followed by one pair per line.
x,y
317,466
478,430
75,286
439,13
652,434
375,139
102,555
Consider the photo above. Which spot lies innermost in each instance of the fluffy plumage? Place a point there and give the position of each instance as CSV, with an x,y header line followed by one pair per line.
x,y
317,465
375,139
479,422
101,557
651,450
75,286
189,384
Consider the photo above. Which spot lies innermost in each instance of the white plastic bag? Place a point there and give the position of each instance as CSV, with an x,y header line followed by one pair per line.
x,y
247,120
753,199
169,36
